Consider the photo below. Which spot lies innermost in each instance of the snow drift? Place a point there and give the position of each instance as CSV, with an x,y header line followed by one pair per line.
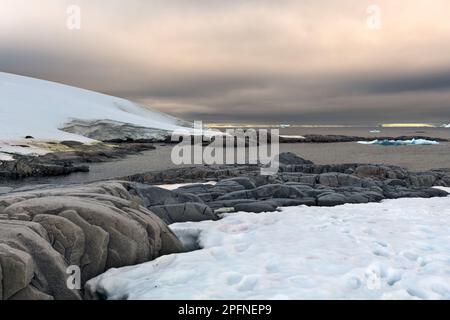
x,y
399,142
397,249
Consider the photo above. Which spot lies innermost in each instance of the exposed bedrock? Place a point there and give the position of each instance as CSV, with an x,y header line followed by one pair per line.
x,y
72,157
94,227
317,138
108,130
298,182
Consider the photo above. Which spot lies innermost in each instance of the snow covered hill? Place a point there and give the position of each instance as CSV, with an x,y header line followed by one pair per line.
x,y
38,108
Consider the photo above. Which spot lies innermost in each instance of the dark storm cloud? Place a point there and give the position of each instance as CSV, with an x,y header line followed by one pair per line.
x,y
243,60
403,83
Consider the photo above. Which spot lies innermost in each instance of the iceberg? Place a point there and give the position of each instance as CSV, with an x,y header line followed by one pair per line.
x,y
400,142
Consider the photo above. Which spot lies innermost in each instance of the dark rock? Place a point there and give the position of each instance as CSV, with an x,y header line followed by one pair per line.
x,y
256,207
71,144
331,199
244,194
307,201
189,211
423,180
247,183
228,185
155,196
229,203
277,191
289,158
195,188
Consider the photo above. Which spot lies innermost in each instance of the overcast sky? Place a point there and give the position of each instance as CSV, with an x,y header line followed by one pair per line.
x,y
267,61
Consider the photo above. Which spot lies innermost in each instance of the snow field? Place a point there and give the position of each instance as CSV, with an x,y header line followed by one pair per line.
x,y
397,249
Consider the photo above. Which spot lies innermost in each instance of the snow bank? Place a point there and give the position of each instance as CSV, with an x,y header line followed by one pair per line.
x,y
399,142
179,185
38,108
291,137
398,249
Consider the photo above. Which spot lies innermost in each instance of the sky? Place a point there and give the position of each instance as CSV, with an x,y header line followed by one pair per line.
x,y
254,61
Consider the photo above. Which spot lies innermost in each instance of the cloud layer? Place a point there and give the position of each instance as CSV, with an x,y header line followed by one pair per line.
x,y
243,60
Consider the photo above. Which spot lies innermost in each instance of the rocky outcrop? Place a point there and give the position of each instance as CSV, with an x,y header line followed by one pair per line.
x,y
23,167
184,212
317,138
71,157
93,227
298,182
108,130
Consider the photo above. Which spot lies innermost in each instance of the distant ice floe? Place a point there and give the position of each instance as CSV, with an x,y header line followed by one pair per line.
x,y
400,142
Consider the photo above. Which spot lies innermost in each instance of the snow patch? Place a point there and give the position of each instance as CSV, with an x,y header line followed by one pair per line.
x,y
179,185
291,137
397,249
399,142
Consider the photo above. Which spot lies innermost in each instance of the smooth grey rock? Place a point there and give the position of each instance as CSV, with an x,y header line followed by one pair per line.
x,y
155,196
331,199
289,158
395,182
4,190
229,203
47,230
277,191
247,183
423,180
256,207
108,130
245,194
173,213
307,201
339,179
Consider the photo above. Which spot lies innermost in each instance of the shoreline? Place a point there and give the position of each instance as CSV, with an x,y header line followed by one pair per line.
x,y
78,157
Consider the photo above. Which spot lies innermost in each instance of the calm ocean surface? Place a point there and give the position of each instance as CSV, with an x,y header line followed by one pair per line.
x,y
419,157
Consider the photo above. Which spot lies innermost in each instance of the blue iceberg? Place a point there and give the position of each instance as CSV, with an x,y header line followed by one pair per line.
x,y
400,142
